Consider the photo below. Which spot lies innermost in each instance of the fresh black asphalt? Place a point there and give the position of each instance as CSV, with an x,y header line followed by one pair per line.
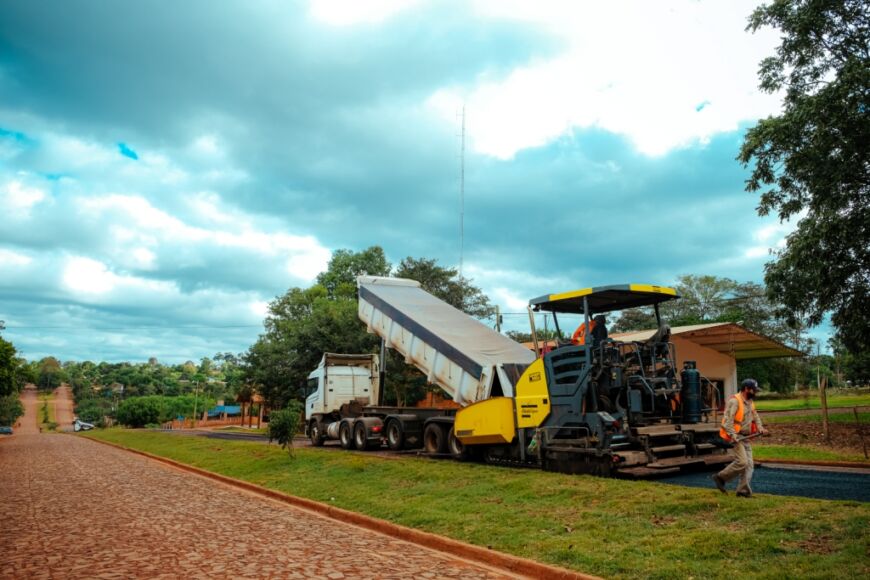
x,y
816,483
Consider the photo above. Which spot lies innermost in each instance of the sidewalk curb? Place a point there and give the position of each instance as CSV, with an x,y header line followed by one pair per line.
x,y
492,558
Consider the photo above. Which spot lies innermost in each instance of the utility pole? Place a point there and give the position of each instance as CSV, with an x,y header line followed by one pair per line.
x,y
195,396
497,319
823,395
462,194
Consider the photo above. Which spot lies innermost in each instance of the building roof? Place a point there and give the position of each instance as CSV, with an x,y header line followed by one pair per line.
x,y
726,337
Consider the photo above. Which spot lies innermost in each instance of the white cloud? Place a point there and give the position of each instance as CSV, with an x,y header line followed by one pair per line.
x,y
88,276
18,199
772,236
144,258
260,308
354,12
635,68
10,258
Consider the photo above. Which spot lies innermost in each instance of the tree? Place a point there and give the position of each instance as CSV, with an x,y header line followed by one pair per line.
x,y
10,409
8,368
346,265
811,161
51,373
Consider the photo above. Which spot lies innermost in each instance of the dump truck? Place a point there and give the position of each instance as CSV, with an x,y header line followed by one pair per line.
x,y
603,407
466,358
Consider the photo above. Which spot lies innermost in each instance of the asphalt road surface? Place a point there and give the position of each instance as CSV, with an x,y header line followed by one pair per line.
x,y
816,483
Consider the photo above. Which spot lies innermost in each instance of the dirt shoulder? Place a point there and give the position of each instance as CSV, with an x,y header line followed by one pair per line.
x,y
29,423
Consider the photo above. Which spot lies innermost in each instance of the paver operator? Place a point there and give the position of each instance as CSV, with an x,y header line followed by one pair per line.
x,y
740,424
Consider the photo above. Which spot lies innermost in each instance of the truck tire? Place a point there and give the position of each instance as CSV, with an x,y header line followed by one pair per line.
x,y
395,435
345,435
435,439
315,432
456,449
360,436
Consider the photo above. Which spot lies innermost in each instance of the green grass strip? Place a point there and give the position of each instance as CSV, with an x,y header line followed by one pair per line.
x,y
803,453
616,529
839,417
813,403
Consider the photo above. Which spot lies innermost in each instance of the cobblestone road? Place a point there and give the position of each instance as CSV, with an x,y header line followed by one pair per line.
x,y
74,508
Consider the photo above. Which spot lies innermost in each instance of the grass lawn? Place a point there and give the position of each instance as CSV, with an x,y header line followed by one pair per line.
x,y
839,417
762,451
612,528
813,402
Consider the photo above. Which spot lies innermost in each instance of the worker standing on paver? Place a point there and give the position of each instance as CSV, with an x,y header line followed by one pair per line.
x,y
739,425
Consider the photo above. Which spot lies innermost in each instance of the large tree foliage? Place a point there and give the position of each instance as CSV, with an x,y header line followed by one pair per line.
x,y
811,161
346,265
8,368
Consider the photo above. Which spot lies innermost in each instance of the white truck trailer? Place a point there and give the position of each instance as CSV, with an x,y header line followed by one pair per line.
x,y
468,360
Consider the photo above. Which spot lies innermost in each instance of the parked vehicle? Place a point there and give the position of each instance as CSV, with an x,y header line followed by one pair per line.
x,y
81,425
5,430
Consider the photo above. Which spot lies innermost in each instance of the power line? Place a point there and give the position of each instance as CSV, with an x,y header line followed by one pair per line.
x,y
79,327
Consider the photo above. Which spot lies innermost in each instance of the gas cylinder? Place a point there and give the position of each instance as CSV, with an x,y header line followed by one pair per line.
x,y
690,393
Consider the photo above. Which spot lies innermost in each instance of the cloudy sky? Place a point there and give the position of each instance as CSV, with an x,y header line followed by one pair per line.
x,y
166,170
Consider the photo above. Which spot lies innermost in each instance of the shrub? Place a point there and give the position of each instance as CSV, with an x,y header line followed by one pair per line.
x,y
284,424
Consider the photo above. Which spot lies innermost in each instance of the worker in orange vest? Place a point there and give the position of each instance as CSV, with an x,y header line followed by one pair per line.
x,y
579,336
739,425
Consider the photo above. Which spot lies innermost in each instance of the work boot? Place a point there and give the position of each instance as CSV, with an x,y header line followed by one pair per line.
x,y
744,494
720,483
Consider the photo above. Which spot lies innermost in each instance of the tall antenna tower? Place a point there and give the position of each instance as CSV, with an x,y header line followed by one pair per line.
x,y
462,193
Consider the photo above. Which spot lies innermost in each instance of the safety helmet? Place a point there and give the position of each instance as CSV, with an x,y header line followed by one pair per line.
x,y
749,384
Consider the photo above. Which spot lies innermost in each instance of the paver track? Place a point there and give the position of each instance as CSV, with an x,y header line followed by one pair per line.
x,y
74,508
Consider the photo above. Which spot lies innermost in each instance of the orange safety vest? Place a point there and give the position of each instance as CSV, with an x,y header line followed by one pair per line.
x,y
579,336
738,419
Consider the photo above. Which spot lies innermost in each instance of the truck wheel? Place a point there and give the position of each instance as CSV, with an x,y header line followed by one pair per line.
x,y
345,436
395,435
434,439
459,451
315,434
360,436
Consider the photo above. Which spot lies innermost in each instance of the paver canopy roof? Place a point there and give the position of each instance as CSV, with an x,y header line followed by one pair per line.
x,y
604,298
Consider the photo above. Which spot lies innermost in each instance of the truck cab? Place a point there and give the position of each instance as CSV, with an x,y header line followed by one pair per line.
x,y
338,381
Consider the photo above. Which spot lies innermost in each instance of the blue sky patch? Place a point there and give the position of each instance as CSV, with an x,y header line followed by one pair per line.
x,y
701,106
127,152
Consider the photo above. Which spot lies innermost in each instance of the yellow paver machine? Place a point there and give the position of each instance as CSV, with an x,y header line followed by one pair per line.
x,y
589,405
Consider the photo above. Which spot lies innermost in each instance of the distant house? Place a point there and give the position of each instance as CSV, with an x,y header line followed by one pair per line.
x,y
715,347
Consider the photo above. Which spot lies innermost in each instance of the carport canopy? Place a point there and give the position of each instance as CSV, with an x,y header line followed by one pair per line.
x,y
725,337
